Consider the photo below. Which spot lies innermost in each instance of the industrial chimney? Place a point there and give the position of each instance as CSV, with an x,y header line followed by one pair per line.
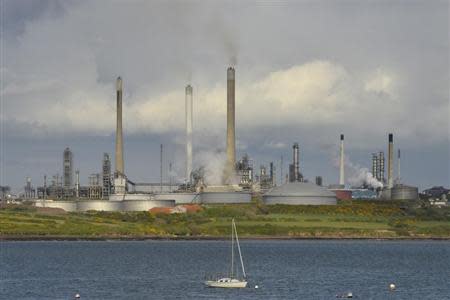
x,y
231,151
188,132
341,164
295,162
119,181
398,166
119,137
391,161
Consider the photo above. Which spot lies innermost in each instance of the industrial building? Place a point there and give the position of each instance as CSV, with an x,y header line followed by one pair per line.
x,y
106,176
299,193
30,191
5,193
436,192
244,170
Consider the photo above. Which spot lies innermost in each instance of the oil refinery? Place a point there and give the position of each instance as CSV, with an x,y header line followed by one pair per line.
x,y
113,190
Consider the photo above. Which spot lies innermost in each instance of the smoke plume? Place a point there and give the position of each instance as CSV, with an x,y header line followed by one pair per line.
x,y
357,175
361,176
213,163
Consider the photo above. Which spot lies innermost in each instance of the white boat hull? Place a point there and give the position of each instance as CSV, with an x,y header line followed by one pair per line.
x,y
229,284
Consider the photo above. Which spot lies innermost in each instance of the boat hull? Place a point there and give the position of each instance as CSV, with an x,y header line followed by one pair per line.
x,y
233,284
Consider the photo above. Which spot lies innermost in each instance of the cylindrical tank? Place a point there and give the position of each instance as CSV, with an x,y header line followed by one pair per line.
x,y
225,197
404,192
145,205
299,193
180,198
99,205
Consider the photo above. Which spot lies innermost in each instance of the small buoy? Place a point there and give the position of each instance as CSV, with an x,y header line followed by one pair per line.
x,y
392,286
347,295
77,296
256,286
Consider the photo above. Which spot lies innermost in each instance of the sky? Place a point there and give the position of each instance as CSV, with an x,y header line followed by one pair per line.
x,y
306,71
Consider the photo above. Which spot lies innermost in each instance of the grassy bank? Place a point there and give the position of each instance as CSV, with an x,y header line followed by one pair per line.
x,y
355,219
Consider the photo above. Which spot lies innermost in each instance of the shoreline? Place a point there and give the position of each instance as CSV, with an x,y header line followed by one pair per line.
x,y
203,238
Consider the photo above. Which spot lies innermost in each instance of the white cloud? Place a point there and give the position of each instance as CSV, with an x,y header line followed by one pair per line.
x,y
314,94
59,77
381,82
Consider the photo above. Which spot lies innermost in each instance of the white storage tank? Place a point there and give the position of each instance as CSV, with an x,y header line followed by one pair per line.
x,y
404,192
300,193
225,197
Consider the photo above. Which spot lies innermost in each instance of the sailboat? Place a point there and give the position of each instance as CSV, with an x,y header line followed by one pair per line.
x,y
233,281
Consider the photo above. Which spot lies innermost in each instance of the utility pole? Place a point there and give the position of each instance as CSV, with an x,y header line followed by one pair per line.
x,y
45,187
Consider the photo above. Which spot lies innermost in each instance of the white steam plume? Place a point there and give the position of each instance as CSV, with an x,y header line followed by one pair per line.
x,y
361,176
214,163
357,174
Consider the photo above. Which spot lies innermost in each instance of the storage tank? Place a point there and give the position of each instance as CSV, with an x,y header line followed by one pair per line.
x,y
300,193
404,192
98,205
225,197
180,198
145,205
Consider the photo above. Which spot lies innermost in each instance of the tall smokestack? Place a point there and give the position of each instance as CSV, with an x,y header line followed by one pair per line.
x,y
188,132
398,166
119,137
231,151
391,161
119,180
295,161
341,164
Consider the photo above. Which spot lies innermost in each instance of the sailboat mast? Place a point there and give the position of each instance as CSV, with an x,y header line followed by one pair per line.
x,y
239,249
232,249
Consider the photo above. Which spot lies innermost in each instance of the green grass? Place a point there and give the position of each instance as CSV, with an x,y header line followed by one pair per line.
x,y
354,219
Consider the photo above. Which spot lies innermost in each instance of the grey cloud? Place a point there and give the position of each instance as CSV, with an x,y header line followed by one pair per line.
x,y
64,57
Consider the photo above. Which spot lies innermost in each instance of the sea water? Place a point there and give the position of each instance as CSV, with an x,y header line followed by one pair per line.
x,y
296,269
